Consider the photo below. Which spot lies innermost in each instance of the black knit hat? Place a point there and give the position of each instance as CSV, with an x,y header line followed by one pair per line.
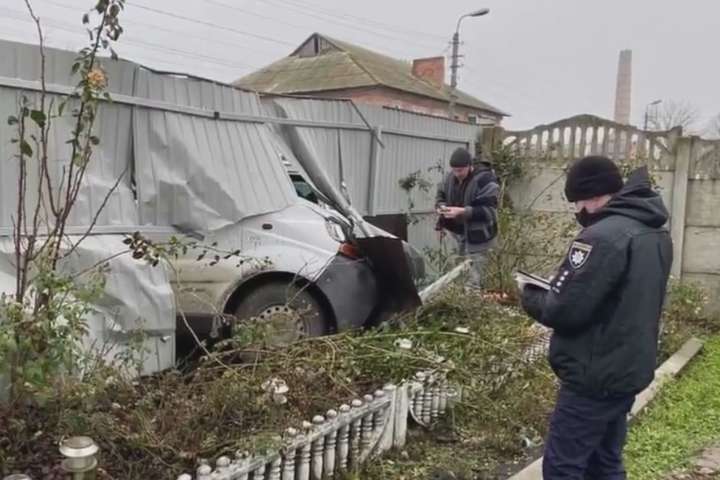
x,y
591,177
460,158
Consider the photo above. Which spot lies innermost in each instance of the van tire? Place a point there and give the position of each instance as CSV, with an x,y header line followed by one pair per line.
x,y
297,313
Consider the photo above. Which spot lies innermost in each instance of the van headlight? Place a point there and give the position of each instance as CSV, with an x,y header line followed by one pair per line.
x,y
335,231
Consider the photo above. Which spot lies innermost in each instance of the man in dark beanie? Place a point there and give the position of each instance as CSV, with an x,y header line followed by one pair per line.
x,y
466,204
604,307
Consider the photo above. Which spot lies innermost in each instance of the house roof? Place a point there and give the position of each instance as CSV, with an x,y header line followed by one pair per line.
x,y
342,65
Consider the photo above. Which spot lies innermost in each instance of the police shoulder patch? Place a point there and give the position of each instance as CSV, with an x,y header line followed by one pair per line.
x,y
579,254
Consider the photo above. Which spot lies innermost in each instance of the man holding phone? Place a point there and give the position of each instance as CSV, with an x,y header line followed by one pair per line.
x,y
466,204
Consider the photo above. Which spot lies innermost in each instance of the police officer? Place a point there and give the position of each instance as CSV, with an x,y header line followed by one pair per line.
x,y
466,203
604,306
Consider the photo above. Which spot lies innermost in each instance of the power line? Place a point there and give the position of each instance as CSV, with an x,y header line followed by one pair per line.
x,y
168,30
255,14
366,21
209,24
303,10
72,29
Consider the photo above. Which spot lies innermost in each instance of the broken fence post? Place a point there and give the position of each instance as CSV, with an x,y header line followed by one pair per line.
x,y
388,427
401,416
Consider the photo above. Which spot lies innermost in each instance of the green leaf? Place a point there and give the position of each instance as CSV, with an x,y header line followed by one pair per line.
x,y
39,117
75,68
25,148
86,19
94,140
12,120
113,54
61,108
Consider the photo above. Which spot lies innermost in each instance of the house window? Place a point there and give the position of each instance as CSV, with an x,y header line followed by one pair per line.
x,y
474,119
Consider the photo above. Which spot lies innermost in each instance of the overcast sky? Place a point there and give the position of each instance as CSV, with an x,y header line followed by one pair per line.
x,y
540,60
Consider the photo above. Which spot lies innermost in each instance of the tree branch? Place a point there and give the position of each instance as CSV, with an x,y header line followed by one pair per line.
x,y
97,213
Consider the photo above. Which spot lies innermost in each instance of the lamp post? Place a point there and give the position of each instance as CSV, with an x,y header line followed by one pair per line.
x,y
454,65
647,108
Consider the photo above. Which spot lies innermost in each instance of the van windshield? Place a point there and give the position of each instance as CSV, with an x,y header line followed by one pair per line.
x,y
303,189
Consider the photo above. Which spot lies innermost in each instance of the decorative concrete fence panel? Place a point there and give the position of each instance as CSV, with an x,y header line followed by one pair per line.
x,y
686,171
342,439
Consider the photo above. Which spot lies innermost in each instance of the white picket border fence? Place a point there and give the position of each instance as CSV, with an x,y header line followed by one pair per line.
x,y
343,439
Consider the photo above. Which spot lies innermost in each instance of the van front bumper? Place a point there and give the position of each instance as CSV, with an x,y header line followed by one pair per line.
x,y
351,289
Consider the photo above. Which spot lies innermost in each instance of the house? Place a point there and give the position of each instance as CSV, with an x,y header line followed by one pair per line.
x,y
324,67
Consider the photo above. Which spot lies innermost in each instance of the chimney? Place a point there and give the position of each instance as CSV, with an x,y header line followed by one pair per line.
x,y
431,70
623,90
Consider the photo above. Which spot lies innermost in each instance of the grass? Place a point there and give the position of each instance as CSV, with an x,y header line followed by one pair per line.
x,y
164,425
684,419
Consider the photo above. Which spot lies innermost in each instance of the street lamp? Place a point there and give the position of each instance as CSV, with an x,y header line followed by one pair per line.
x,y
454,65
647,108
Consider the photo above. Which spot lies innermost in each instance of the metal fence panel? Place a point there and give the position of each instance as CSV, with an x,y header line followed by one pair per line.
x,y
410,143
401,157
205,174
418,123
193,92
110,164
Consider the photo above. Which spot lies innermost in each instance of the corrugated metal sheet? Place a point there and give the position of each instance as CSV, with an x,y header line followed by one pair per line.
x,y
198,172
22,61
217,172
343,152
111,161
401,157
193,92
411,143
422,234
329,111
424,125
205,174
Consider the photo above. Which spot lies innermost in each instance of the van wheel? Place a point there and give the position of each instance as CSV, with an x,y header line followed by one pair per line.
x,y
285,313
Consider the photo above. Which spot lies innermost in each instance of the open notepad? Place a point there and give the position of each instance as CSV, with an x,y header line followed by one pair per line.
x,y
531,279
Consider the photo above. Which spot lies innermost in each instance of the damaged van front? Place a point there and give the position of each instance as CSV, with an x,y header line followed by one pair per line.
x,y
306,270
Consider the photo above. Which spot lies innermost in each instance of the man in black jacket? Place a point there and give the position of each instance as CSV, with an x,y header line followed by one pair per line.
x,y
466,203
604,306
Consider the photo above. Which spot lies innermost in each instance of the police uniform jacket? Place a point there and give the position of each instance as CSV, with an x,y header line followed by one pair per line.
x,y
605,301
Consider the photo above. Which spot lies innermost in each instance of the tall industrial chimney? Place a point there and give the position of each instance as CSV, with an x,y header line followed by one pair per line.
x,y
623,90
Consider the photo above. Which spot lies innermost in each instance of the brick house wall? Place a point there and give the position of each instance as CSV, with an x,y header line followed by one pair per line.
x,y
388,97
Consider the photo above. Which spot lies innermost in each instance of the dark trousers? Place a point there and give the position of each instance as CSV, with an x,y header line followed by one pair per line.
x,y
586,438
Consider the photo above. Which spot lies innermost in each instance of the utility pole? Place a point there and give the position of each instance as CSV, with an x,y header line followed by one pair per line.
x,y
455,62
454,65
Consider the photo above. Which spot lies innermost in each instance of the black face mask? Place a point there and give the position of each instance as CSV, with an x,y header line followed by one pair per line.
x,y
586,218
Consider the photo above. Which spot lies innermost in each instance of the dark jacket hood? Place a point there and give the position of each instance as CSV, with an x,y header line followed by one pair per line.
x,y
638,200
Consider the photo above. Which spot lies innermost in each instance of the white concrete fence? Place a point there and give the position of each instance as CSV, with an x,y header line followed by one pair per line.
x,y
339,441
343,439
